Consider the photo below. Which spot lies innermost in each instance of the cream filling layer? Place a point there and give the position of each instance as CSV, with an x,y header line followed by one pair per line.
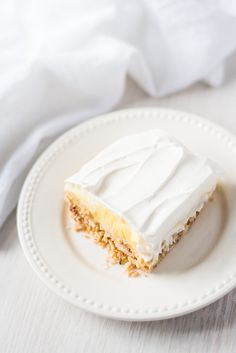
x,y
120,229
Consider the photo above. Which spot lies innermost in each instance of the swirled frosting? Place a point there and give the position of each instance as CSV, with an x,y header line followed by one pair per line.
x,y
152,181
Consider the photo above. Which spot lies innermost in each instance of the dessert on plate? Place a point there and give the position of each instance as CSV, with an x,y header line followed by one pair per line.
x,y
139,196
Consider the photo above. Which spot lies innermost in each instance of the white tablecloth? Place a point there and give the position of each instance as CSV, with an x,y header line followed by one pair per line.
x,y
32,319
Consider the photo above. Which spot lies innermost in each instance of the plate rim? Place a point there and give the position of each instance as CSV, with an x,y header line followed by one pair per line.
x,y
25,205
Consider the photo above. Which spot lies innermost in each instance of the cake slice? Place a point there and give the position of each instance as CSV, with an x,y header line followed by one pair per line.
x,y
139,196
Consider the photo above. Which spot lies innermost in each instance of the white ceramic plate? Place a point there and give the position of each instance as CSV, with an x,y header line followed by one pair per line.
x,y
201,269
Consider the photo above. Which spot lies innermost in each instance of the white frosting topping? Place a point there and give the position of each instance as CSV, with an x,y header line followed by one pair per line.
x,y
152,181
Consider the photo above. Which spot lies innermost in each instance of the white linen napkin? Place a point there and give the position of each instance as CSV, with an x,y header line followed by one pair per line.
x,y
64,61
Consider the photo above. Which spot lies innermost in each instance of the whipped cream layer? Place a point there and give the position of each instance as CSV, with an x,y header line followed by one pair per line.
x,y
150,180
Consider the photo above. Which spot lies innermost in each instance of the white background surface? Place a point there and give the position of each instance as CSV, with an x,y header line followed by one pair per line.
x,y
32,319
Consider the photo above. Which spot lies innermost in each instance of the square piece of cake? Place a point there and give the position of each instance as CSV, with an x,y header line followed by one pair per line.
x,y
139,196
